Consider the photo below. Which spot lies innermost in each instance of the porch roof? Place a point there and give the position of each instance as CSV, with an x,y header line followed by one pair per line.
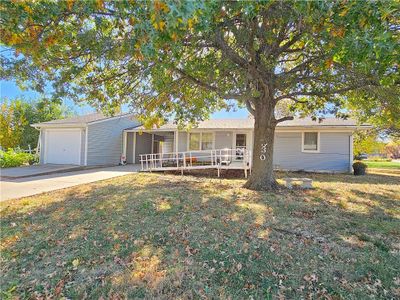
x,y
221,124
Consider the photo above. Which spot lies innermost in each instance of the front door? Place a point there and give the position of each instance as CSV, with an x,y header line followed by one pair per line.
x,y
240,145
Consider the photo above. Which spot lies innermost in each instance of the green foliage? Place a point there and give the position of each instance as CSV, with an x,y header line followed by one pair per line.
x,y
366,106
16,118
382,164
185,58
367,142
11,158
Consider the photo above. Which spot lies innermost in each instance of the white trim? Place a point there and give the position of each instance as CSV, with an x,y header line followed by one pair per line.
x,y
351,155
200,140
134,148
59,126
86,144
318,142
80,147
45,147
124,143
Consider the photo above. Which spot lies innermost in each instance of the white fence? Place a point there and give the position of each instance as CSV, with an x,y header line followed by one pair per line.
x,y
202,159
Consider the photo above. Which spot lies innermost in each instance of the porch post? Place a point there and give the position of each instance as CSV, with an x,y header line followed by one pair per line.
x,y
176,133
152,143
176,147
124,143
250,150
351,155
134,149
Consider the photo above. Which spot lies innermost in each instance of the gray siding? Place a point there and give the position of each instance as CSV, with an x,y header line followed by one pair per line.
x,y
182,141
105,140
223,139
143,145
129,149
334,152
42,145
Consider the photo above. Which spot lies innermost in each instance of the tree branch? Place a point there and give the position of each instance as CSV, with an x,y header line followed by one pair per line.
x,y
250,107
288,118
289,97
210,87
224,47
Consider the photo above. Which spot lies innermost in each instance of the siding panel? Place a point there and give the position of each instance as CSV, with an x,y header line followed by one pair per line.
x,y
143,145
105,140
129,147
223,139
182,141
334,154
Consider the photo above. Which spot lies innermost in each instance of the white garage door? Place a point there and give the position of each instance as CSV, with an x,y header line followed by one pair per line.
x,y
63,146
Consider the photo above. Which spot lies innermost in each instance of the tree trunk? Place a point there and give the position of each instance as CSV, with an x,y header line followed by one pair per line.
x,y
262,176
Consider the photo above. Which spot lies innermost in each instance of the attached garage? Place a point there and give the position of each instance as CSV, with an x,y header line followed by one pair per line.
x,y
63,146
90,140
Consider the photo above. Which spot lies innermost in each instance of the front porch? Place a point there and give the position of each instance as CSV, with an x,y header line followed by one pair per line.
x,y
220,159
164,150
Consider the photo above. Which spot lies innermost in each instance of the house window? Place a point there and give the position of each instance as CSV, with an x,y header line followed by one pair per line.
x,y
194,141
206,141
201,141
310,141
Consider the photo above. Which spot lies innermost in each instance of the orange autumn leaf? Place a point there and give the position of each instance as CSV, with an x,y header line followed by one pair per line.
x,y
174,37
329,63
100,4
190,23
158,5
132,21
70,3
159,25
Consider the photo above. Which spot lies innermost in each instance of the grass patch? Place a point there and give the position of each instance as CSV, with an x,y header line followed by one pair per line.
x,y
382,164
166,236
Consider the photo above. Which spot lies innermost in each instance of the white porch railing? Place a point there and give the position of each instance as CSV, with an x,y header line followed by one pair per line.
x,y
202,159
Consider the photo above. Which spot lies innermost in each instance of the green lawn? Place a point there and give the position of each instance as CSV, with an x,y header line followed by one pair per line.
x,y
382,164
166,236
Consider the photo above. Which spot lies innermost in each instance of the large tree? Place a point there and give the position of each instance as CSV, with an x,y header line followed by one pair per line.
x,y
186,58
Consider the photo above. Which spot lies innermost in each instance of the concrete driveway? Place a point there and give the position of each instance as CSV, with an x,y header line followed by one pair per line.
x,y
22,187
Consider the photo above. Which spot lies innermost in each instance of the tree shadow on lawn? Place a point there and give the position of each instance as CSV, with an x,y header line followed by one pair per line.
x,y
176,237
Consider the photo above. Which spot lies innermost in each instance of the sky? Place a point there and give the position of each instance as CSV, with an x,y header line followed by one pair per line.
x,y
8,89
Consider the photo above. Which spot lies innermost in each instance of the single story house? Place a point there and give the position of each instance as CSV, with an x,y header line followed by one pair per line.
x,y
89,140
300,144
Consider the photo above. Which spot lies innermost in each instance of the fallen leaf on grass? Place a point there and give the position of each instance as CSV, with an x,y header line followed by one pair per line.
x,y
75,263
59,287
311,278
239,267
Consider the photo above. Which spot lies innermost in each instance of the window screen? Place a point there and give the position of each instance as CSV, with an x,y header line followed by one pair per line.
x,y
194,141
310,141
206,141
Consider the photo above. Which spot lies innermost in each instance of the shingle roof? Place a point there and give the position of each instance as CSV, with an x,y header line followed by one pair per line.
x,y
249,124
77,120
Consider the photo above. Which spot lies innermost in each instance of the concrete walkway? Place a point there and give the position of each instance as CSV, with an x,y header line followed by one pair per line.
x,y
36,170
22,187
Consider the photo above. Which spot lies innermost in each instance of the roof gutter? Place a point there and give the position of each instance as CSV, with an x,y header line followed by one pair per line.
x,y
62,125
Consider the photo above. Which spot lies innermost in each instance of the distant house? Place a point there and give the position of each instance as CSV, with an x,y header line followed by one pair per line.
x,y
300,144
